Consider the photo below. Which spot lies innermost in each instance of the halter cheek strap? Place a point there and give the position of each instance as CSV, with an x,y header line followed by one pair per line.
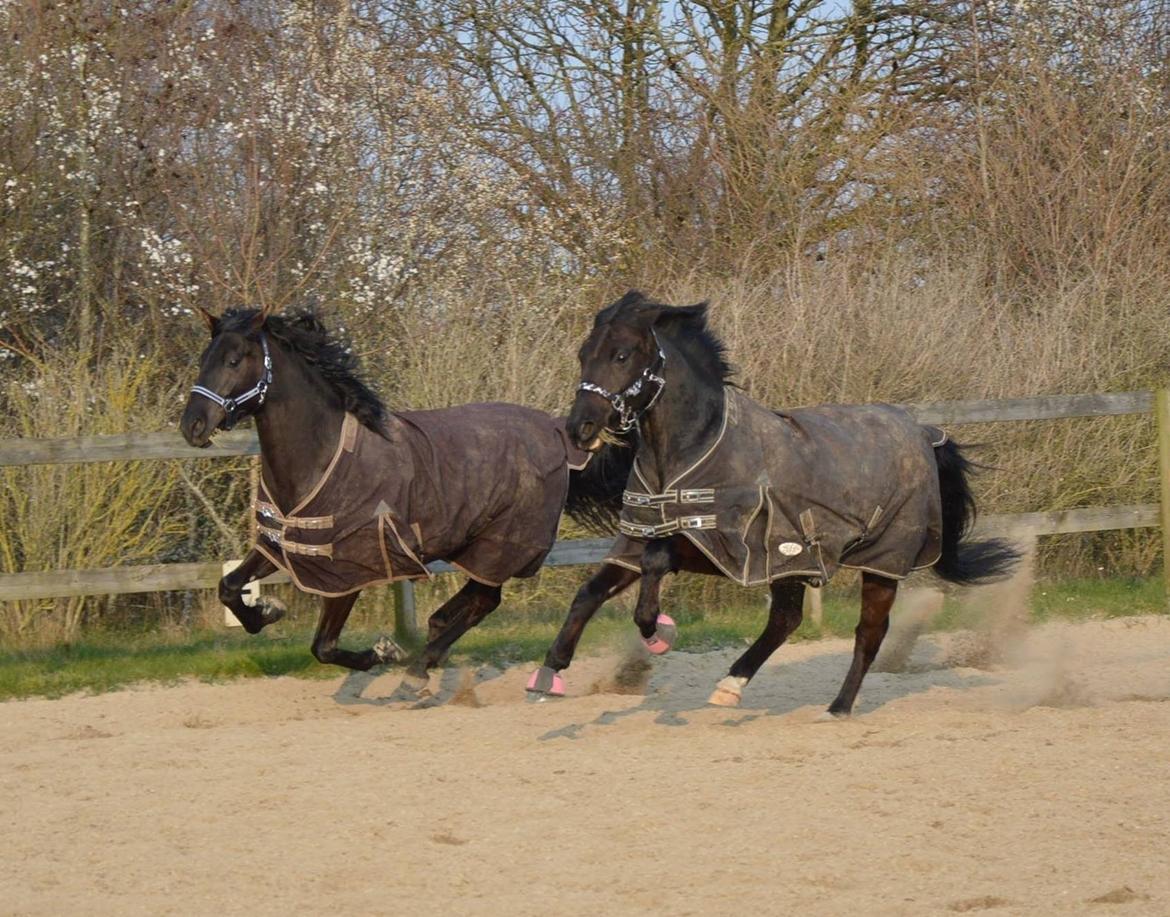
x,y
232,404
627,414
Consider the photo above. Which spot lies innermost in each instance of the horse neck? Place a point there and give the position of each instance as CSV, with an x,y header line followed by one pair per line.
x,y
684,421
298,427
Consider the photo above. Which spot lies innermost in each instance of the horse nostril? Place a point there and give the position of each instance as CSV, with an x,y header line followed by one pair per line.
x,y
198,426
585,430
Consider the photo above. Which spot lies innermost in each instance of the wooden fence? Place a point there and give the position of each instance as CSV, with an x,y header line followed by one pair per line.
x,y
1024,527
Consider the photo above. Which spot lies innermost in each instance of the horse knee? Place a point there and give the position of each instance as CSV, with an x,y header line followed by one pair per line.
x,y
324,651
586,596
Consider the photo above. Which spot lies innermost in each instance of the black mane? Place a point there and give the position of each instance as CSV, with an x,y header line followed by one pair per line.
x,y
329,354
686,326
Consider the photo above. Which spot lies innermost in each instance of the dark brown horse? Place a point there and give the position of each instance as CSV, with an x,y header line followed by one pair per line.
x,y
725,487
352,495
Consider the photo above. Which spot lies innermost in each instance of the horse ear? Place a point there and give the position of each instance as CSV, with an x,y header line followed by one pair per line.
x,y
695,315
644,317
261,317
210,320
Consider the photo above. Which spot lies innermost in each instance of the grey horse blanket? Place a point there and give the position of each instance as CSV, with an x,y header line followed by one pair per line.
x,y
798,493
481,486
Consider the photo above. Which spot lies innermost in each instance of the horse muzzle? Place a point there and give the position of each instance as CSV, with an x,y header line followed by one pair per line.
x,y
586,422
198,423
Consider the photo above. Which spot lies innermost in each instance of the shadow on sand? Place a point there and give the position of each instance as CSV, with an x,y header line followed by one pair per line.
x,y
673,686
779,688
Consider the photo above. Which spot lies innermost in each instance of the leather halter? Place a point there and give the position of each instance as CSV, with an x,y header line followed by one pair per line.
x,y
628,415
232,403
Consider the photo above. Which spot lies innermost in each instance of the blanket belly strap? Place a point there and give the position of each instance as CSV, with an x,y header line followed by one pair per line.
x,y
682,523
295,547
692,495
271,514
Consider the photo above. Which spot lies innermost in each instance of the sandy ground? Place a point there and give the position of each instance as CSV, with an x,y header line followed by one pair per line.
x,y
1035,779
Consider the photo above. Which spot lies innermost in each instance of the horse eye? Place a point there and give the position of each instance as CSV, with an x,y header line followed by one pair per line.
x,y
621,356
234,362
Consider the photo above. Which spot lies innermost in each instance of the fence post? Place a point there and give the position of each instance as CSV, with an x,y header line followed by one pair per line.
x,y
1162,416
814,608
405,620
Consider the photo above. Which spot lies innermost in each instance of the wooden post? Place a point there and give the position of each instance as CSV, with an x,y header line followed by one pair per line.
x,y
1162,417
251,592
814,609
405,618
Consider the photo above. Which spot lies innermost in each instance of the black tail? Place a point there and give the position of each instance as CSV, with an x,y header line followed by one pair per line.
x,y
595,492
962,561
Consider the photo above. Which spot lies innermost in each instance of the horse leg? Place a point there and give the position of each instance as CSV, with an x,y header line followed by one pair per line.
x,y
465,609
598,589
334,613
658,630
267,609
877,596
784,616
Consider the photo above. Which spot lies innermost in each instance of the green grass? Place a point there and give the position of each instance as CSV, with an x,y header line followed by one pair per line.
x,y
110,660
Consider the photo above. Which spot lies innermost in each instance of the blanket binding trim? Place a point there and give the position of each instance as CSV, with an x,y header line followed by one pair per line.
x,y
715,445
747,561
385,517
348,429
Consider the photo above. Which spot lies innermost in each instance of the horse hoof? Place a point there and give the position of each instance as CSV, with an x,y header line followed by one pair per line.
x,y
271,610
545,683
386,651
830,717
413,684
728,693
665,633
259,614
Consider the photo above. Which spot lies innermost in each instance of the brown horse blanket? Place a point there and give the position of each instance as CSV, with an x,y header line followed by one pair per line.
x,y
799,493
481,486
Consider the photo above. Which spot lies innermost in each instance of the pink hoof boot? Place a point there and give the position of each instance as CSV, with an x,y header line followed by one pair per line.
x,y
547,682
665,633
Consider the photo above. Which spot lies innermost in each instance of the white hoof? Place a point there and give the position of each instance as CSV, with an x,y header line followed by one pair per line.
x,y
728,693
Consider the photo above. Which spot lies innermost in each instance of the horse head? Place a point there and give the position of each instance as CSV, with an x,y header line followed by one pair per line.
x,y
621,371
235,371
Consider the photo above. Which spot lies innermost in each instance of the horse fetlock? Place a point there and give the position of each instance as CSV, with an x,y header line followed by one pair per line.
x,y
386,651
729,692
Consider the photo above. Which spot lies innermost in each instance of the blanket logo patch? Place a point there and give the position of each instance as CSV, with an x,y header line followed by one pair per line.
x,y
790,548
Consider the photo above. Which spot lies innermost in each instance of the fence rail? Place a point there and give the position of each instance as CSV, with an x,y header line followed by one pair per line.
x,y
136,447
171,577
169,446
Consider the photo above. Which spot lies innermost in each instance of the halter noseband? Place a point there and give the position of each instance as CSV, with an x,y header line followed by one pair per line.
x,y
258,391
628,415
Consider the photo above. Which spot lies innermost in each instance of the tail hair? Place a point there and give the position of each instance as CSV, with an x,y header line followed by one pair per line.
x,y
966,562
595,492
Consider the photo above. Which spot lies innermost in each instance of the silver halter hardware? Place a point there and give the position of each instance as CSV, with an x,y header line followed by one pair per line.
x,y
627,414
231,404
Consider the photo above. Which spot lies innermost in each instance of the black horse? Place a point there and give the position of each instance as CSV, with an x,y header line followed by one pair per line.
x,y
723,486
352,495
